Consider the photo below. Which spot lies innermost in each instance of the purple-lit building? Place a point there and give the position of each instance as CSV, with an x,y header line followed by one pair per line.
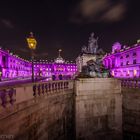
x,y
58,68
123,61
12,66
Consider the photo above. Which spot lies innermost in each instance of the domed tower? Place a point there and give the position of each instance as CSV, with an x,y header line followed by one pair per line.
x,y
59,59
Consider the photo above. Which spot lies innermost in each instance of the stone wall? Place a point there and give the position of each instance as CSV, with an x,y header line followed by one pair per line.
x,y
46,116
98,107
131,113
52,111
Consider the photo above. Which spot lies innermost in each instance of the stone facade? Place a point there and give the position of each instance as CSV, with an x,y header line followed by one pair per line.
x,y
94,109
45,116
98,109
131,113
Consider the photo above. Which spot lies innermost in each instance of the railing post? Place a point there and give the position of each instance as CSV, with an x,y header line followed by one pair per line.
x,y
46,88
3,97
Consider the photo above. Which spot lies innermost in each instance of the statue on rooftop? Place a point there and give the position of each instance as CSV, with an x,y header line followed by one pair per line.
x,y
93,44
93,66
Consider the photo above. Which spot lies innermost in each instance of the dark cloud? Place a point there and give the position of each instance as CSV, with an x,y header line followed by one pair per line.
x,y
88,11
116,13
7,23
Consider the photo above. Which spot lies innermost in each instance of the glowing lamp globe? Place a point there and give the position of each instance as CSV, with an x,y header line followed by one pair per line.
x,y
31,42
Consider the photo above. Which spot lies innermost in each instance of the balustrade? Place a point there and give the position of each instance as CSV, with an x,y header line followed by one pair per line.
x,y
130,83
50,87
8,95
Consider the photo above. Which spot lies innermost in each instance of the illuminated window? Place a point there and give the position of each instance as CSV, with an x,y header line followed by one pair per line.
x,y
134,53
113,73
134,61
135,72
128,73
127,62
127,55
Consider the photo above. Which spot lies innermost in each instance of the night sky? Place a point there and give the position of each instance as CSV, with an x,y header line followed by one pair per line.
x,y
67,24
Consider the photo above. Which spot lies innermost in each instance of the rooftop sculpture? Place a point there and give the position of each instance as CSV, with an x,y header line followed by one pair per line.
x,y
92,46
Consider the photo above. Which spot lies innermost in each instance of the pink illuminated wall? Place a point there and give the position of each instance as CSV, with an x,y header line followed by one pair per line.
x,y
123,61
12,66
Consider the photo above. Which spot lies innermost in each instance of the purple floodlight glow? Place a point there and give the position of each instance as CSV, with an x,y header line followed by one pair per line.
x,y
123,62
12,66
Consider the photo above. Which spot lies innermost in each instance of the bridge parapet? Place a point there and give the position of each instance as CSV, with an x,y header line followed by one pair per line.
x,y
130,83
17,94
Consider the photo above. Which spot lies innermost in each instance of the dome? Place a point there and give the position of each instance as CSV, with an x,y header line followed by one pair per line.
x,y
59,59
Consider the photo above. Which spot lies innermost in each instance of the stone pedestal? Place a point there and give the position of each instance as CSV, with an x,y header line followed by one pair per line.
x,y
82,60
98,109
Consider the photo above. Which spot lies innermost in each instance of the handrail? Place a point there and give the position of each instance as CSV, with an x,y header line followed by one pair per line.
x,y
11,94
130,83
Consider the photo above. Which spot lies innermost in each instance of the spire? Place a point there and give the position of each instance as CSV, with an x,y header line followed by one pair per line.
x,y
59,59
59,51
31,34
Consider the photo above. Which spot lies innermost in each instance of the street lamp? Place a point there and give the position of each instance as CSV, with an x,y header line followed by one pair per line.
x,y
32,46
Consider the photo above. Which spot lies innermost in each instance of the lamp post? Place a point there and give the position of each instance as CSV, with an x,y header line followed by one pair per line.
x,y
32,46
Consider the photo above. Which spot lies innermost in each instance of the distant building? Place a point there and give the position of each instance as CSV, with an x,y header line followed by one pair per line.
x,y
12,66
123,61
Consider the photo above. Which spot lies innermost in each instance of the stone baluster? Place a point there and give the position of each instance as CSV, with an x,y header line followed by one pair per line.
x,y
3,97
14,96
34,90
50,87
53,87
64,85
43,89
56,87
129,83
133,83
39,90
46,88
126,83
138,83
123,83
11,95
61,85
67,85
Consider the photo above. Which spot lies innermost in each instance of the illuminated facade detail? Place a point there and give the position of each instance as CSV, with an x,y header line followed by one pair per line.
x,y
59,59
123,61
12,66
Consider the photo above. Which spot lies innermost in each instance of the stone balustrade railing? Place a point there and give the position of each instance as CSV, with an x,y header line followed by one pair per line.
x,y
7,96
51,87
24,92
130,83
